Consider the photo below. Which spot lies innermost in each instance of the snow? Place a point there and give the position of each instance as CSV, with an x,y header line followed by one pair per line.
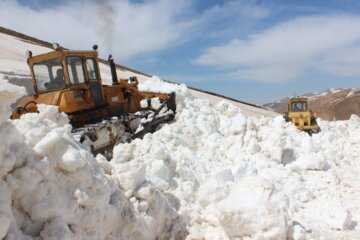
x,y
241,176
9,93
351,93
247,109
333,90
216,172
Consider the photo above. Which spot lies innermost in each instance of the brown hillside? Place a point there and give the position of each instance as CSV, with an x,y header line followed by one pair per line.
x,y
329,105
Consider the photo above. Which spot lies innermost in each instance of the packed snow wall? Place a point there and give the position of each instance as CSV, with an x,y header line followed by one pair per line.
x,y
213,173
53,188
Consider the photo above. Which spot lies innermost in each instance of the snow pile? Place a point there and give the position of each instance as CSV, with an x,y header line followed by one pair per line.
x,y
52,187
211,174
8,94
155,84
232,176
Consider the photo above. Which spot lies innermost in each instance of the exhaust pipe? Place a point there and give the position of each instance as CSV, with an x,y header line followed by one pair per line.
x,y
113,70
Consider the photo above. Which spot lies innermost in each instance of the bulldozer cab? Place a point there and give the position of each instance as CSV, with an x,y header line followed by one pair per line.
x,y
298,106
49,75
67,70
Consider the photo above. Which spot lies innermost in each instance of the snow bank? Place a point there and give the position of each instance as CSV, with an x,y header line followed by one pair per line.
x,y
244,177
53,188
8,94
211,174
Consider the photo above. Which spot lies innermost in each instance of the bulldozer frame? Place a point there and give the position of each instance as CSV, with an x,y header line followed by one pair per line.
x,y
299,114
72,81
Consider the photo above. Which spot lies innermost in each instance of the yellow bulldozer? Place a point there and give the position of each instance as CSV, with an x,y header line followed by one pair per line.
x,y
299,114
101,115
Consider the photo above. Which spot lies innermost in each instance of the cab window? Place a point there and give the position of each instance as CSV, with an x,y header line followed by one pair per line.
x,y
299,106
76,70
91,69
49,75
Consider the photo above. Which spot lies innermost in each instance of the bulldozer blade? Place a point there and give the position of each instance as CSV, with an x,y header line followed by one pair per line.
x,y
102,137
169,115
171,102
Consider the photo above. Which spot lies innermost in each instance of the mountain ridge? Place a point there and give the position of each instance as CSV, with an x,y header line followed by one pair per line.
x,y
330,104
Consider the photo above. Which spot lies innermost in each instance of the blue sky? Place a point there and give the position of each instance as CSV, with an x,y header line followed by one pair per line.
x,y
255,51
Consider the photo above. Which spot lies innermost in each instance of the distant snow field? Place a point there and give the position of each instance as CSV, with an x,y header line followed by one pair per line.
x,y
214,173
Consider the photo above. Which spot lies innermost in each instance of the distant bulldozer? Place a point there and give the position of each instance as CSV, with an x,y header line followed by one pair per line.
x,y
299,114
